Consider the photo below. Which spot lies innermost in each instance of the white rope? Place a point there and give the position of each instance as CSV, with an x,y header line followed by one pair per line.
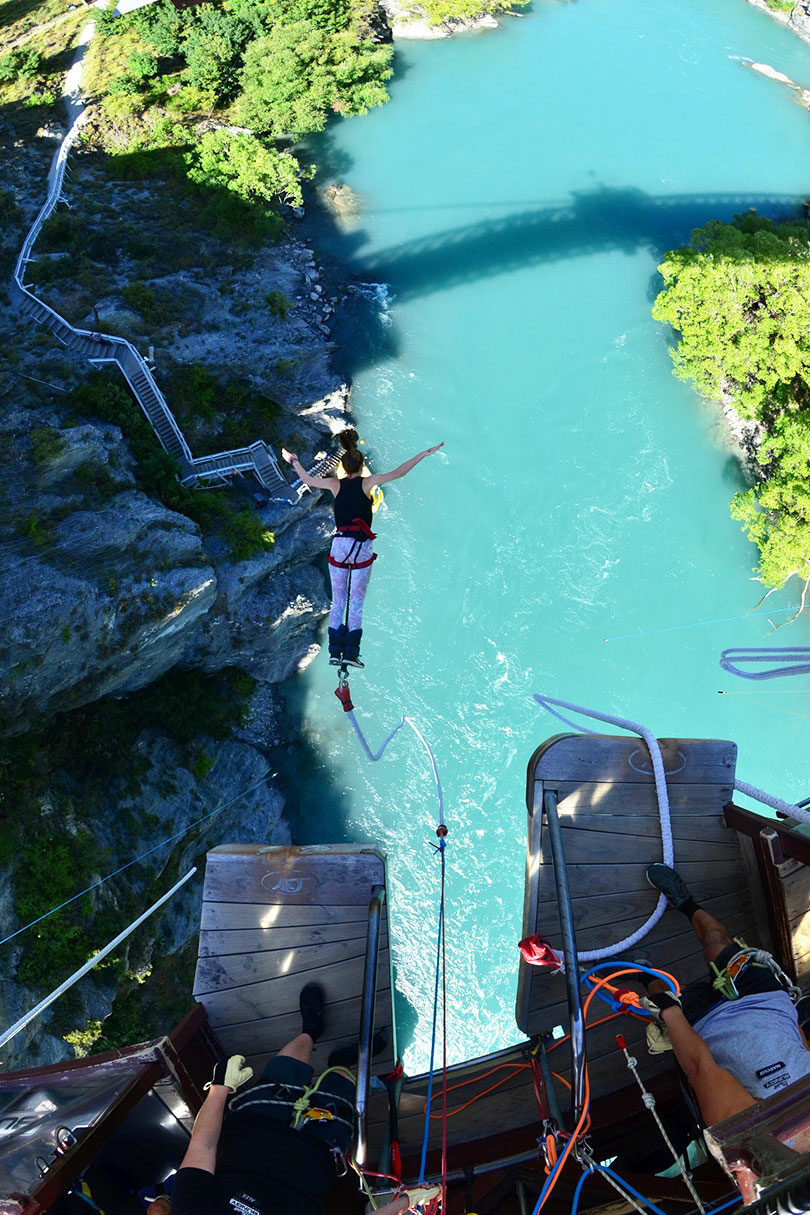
x,y
775,803
649,738
373,756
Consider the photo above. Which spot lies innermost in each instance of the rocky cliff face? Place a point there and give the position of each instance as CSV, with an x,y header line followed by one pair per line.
x,y
102,599
104,589
126,817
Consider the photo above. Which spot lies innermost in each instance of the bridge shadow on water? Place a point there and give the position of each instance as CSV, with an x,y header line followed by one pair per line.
x,y
588,223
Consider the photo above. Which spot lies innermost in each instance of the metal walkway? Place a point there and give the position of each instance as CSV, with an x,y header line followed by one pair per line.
x,y
103,348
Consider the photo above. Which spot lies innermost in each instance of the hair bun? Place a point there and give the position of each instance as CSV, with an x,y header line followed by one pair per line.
x,y
349,439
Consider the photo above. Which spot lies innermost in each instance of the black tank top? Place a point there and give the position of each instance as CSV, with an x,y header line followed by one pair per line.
x,y
351,503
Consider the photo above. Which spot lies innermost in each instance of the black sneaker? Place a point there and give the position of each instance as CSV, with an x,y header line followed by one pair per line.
x,y
670,883
353,662
334,661
311,1004
642,975
346,1056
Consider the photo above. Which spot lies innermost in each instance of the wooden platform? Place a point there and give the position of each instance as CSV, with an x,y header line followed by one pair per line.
x,y
274,919
611,833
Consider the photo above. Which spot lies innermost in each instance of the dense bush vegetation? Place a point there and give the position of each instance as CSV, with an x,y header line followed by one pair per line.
x,y
246,167
287,65
739,297
156,472
66,764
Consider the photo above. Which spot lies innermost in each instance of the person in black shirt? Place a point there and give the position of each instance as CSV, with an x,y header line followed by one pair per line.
x,y
264,1156
352,554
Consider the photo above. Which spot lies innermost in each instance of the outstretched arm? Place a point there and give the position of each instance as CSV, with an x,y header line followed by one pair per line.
x,y
718,1093
330,483
382,478
202,1149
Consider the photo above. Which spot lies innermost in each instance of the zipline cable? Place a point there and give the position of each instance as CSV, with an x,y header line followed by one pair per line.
x,y
142,857
674,628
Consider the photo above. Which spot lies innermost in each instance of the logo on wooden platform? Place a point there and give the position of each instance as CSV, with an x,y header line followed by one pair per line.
x,y
279,882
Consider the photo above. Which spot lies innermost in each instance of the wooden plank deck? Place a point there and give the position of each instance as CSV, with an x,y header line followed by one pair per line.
x,y
796,887
274,919
609,818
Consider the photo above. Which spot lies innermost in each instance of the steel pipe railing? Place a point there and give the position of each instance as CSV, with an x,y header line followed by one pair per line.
x,y
569,941
368,1001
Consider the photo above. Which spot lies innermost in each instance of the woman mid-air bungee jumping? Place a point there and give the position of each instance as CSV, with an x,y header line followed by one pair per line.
x,y
352,552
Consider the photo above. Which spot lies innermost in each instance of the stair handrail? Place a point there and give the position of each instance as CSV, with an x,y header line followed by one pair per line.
x,y
56,176
126,355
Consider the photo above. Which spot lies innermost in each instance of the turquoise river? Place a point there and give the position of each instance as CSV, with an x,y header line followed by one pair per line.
x,y
517,194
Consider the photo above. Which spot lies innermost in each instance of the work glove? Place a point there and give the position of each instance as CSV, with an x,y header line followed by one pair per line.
x,y
231,1072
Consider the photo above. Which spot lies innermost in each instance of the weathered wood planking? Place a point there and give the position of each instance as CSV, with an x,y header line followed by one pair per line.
x,y
220,942
336,876
626,761
796,886
275,919
234,916
249,1037
608,812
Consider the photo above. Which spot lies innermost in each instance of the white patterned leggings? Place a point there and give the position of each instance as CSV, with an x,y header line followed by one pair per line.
x,y
346,549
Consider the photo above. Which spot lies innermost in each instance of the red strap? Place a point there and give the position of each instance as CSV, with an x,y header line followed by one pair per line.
x,y
358,525
538,952
351,565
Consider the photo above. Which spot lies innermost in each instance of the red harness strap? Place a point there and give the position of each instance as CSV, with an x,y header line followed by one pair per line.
x,y
350,533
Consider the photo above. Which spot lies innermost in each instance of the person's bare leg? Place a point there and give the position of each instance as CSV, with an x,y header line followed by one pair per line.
x,y
712,934
299,1048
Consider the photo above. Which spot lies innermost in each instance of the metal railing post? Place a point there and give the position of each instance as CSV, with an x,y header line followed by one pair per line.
x,y
570,951
368,1000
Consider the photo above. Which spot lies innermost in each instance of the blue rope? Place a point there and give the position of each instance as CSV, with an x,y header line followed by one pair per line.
x,y
640,1197
421,1179
673,628
731,1202
578,1190
552,1177
616,1005
142,857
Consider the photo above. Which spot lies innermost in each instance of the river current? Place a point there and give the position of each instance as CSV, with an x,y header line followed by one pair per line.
x,y
516,197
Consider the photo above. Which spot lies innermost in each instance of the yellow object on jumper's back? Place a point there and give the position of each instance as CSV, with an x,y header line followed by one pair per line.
x,y
377,496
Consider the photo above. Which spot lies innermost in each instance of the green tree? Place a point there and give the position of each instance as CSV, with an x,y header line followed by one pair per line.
x,y
213,49
160,25
739,297
142,65
775,513
439,11
262,15
297,75
244,165
21,64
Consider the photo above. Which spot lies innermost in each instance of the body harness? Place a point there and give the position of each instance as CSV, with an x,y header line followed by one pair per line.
x,y
359,531
724,980
297,1098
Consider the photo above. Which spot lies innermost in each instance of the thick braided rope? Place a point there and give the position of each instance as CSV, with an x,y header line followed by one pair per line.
x,y
546,702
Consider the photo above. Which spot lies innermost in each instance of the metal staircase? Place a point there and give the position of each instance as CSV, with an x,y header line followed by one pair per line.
x,y
104,348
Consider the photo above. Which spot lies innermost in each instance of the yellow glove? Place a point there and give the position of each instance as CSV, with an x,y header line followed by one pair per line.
x,y
231,1073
